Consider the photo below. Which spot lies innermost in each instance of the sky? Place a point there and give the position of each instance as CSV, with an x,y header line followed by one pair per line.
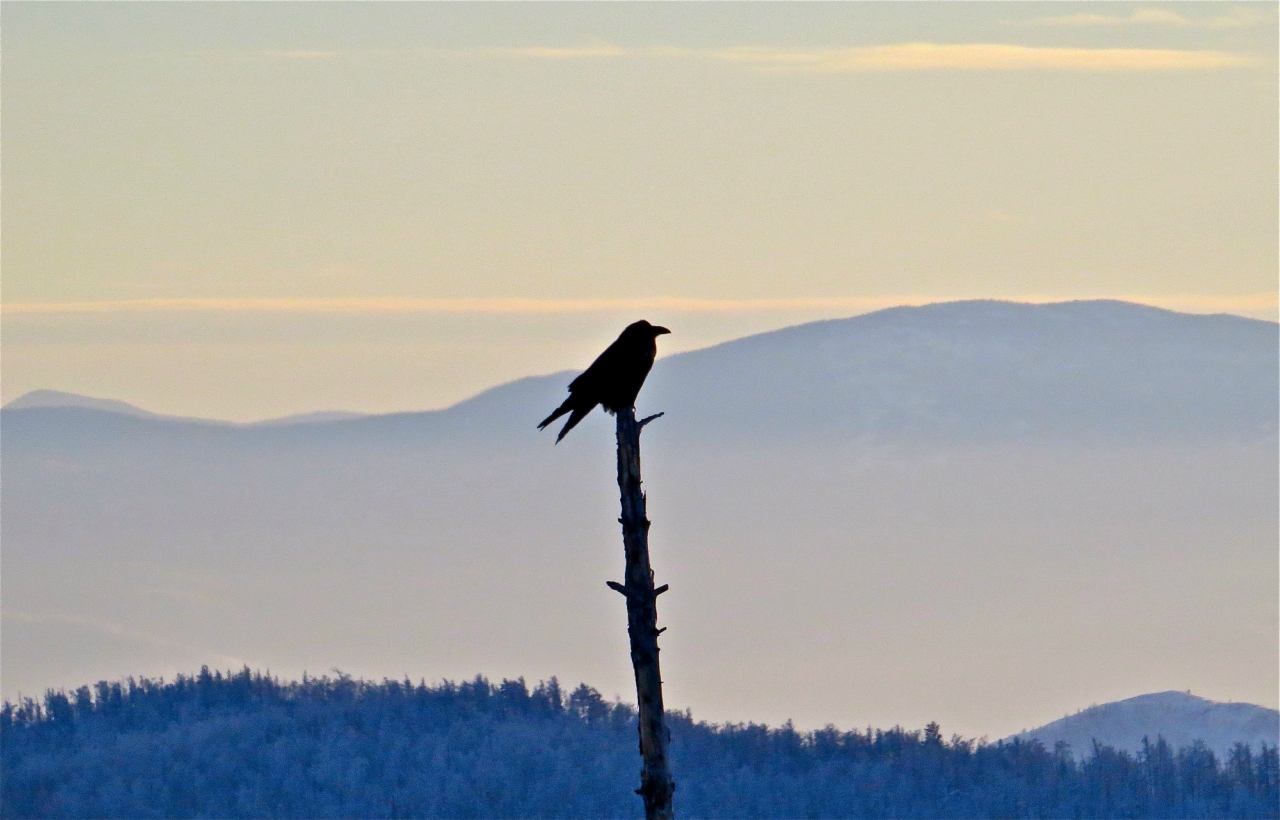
x,y
246,210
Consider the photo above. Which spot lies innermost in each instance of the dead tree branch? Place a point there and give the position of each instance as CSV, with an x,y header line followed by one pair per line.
x,y
656,786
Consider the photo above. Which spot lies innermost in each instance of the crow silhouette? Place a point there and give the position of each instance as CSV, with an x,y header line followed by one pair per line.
x,y
613,380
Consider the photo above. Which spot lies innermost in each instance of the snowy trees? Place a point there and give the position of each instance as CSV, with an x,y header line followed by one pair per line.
x,y
246,745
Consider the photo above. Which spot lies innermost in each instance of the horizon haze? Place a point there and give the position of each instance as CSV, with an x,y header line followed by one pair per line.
x,y
1098,478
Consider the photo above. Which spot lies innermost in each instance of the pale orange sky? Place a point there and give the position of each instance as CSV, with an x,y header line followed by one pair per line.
x,y
247,210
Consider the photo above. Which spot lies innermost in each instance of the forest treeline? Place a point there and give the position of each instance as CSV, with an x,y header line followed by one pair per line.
x,y
247,745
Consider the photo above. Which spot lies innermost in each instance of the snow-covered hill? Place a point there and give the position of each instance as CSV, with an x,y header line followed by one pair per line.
x,y
1179,717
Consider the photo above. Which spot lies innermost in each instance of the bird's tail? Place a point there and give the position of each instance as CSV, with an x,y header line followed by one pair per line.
x,y
559,411
578,415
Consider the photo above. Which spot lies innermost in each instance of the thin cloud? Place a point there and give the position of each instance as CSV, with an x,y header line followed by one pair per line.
x,y
565,53
916,57
300,54
1140,17
1264,304
977,57
1239,18
445,306
1236,18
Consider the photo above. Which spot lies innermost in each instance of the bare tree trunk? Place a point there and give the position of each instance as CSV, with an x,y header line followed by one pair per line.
x,y
642,623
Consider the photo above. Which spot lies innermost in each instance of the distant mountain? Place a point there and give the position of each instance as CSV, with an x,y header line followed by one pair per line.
x,y
933,509
959,371
1178,717
987,371
57,398
979,371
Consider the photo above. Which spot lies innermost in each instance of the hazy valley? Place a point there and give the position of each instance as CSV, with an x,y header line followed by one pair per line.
x,y
919,514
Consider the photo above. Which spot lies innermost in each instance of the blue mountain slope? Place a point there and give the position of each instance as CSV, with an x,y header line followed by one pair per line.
x,y
985,371
1178,717
956,371
989,370
57,398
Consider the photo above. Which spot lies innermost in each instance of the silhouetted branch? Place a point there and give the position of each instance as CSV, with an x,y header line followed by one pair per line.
x,y
640,424
656,786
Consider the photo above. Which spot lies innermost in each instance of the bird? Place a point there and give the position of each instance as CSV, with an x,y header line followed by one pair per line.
x,y
613,380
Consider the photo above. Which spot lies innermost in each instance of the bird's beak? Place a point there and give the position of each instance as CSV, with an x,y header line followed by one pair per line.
x,y
658,330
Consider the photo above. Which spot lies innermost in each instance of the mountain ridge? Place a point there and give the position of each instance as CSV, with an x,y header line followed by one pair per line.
x,y
44,398
981,368
1181,718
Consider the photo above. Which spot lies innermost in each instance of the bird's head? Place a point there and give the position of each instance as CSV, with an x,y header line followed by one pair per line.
x,y
643,328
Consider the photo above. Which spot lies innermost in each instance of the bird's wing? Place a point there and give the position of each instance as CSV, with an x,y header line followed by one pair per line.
x,y
607,362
